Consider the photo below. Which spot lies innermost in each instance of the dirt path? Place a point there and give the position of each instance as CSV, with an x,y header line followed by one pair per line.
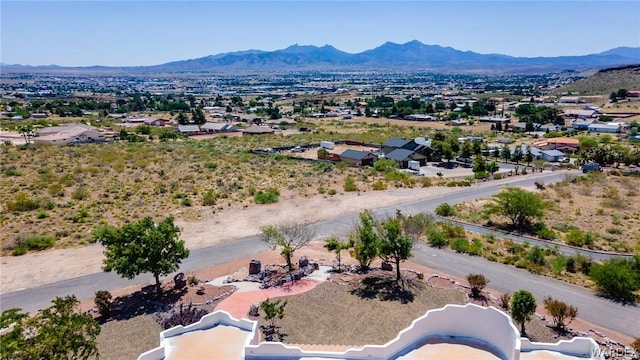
x,y
50,266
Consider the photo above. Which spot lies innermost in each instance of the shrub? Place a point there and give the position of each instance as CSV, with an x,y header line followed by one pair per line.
x,y
323,152
379,185
33,242
616,278
22,203
505,301
350,184
55,190
535,256
477,283
266,197
546,233
184,315
445,209
475,249
385,165
560,311
211,165
436,238
460,245
636,345
81,193
103,302
332,192
323,166
186,202
209,198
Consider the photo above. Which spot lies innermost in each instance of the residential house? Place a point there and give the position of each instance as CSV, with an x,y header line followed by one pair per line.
x,y
188,130
69,134
420,117
257,130
552,155
611,128
580,113
403,156
359,158
155,122
494,120
560,143
582,123
212,127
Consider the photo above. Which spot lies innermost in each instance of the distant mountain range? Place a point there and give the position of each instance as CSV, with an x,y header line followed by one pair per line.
x,y
411,56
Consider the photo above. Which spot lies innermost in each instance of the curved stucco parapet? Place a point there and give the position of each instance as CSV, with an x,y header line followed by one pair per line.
x,y
581,347
465,324
208,321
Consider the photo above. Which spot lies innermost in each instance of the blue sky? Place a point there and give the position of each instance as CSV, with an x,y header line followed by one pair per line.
x,y
119,33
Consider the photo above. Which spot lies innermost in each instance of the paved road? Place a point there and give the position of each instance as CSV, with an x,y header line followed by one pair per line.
x,y
592,308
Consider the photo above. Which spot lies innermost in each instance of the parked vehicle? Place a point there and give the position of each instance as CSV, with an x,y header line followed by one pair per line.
x,y
591,167
329,145
297,149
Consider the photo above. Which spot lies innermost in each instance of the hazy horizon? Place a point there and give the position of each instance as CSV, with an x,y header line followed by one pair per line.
x,y
142,33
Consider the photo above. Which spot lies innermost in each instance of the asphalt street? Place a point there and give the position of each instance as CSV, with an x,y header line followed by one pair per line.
x,y
593,308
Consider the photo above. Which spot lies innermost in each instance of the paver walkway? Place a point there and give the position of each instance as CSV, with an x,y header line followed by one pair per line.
x,y
238,303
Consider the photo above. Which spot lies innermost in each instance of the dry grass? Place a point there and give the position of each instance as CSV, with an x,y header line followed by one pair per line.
x,y
126,339
334,314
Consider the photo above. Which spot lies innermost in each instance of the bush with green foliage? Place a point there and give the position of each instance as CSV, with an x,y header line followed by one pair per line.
x,y
33,242
103,302
520,206
617,278
523,306
273,311
460,245
267,197
437,238
445,209
350,184
379,185
22,203
57,332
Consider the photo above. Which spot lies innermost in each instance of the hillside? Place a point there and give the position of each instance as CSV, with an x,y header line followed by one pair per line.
x,y
606,81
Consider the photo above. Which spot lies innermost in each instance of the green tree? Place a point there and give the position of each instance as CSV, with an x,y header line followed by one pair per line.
x,y
57,332
492,167
273,311
198,117
365,241
517,155
479,166
182,119
289,238
393,245
466,150
141,247
519,205
523,306
505,153
334,244
617,278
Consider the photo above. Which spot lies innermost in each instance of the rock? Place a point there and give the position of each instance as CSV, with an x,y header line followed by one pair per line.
x,y
253,309
303,261
255,267
386,266
315,265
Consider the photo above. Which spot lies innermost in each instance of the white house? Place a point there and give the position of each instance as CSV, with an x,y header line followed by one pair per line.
x,y
69,134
